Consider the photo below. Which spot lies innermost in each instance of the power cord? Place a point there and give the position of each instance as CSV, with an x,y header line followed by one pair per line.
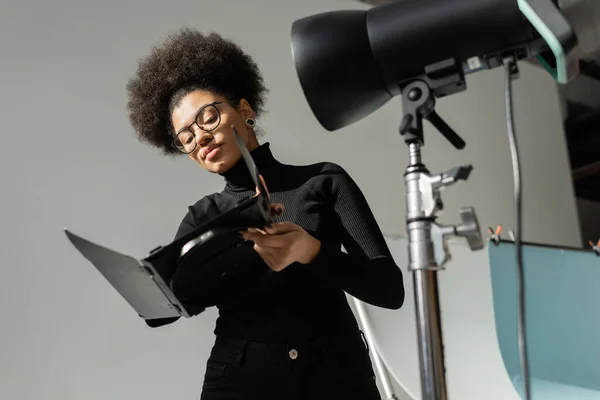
x,y
512,72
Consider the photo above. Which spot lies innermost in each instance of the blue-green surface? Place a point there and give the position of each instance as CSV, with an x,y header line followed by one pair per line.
x,y
563,318
561,71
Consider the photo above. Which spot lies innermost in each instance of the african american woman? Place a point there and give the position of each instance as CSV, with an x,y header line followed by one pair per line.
x,y
290,334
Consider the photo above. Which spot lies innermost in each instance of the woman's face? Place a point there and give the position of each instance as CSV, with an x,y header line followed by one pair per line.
x,y
216,151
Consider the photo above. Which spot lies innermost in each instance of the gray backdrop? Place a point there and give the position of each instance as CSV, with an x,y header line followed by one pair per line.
x,y
69,158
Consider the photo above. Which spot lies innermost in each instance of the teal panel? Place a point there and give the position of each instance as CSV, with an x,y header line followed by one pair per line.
x,y
563,318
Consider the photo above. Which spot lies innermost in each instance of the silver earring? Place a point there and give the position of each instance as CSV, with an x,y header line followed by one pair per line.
x,y
250,122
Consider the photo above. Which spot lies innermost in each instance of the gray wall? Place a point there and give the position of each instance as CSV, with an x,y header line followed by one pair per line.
x,y
69,158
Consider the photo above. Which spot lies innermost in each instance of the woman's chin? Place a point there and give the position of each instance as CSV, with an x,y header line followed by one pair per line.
x,y
221,163
218,167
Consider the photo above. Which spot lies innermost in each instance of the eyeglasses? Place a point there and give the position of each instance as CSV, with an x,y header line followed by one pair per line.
x,y
207,119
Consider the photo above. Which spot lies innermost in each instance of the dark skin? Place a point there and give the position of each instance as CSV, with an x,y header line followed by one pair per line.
x,y
279,245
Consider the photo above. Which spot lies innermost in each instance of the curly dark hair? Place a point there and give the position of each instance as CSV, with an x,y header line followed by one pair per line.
x,y
189,60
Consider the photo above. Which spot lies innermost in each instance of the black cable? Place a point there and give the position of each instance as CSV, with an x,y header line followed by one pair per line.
x,y
511,72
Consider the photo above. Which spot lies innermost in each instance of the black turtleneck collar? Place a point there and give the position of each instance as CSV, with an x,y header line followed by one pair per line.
x,y
238,177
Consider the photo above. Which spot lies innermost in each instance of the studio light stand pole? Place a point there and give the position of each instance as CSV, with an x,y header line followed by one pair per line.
x,y
427,247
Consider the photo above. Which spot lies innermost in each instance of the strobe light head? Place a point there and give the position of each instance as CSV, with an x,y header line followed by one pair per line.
x,y
350,63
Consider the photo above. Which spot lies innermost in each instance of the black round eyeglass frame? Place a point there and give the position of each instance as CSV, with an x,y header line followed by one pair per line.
x,y
189,128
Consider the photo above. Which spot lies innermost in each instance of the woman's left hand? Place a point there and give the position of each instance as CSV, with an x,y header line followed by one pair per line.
x,y
282,244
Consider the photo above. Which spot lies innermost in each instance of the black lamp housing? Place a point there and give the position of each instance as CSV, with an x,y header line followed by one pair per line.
x,y
350,63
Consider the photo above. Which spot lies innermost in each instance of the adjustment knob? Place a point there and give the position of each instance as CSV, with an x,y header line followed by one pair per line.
x,y
456,174
469,229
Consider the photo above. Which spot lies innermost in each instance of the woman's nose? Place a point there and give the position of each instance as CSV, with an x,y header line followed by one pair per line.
x,y
202,137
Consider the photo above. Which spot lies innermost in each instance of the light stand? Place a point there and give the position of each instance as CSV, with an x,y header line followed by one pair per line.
x,y
427,239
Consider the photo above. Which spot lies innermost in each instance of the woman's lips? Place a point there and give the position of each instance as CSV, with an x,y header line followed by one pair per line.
x,y
212,153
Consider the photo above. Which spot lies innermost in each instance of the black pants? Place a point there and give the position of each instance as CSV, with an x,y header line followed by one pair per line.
x,y
334,369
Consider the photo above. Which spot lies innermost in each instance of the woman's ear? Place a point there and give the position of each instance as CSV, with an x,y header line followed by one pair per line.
x,y
245,109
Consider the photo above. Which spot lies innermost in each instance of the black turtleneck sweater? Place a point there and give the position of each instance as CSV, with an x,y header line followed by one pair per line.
x,y
303,301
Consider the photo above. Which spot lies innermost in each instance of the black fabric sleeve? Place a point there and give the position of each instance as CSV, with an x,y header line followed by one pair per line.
x,y
188,224
158,322
209,283
367,271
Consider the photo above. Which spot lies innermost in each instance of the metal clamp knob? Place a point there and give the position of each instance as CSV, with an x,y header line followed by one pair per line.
x,y
469,229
